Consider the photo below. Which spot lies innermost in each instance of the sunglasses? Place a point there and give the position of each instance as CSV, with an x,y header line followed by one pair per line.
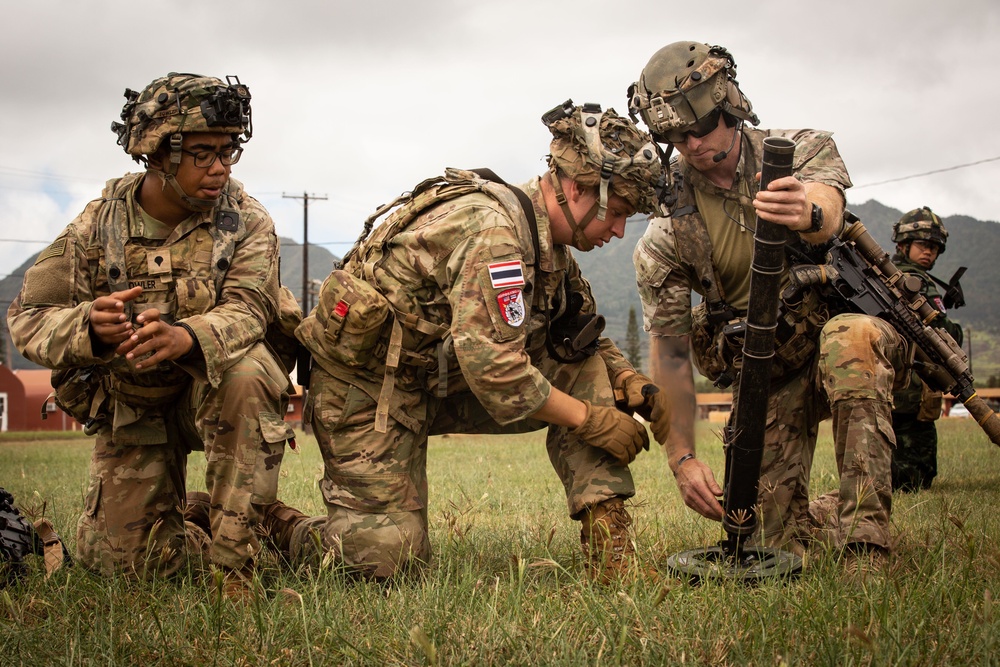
x,y
697,130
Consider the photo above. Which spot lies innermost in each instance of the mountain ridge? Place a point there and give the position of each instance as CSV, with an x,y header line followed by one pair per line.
x,y
972,243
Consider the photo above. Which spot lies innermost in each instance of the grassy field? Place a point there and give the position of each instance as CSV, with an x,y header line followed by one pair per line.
x,y
505,586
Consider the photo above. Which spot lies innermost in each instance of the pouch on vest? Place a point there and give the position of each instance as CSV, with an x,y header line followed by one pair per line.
x,y
931,403
353,315
82,393
707,355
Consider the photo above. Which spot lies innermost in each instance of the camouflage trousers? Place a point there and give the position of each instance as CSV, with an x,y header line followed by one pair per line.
x,y
133,522
851,380
375,484
914,462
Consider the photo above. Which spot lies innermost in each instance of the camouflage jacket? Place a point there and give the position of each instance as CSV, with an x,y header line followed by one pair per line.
x,y
676,256
916,397
226,303
466,268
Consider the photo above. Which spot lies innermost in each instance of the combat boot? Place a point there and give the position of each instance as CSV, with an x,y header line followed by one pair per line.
x,y
277,523
861,561
196,509
607,541
238,585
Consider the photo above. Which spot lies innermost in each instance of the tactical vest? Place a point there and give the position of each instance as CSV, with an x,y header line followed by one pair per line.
x,y
113,231
717,327
355,326
85,393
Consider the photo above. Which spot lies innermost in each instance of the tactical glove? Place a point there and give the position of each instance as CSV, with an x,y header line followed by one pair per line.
x,y
613,431
638,393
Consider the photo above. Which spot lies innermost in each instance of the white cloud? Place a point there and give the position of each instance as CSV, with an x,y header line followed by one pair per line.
x,y
360,101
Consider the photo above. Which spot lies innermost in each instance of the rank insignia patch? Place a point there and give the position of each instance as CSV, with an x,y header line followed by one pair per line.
x,y
511,302
506,274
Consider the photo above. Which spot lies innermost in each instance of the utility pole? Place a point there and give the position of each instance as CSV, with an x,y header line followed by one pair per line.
x,y
305,197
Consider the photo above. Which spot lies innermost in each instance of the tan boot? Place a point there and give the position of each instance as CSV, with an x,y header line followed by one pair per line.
x,y
862,561
607,541
277,522
196,508
238,586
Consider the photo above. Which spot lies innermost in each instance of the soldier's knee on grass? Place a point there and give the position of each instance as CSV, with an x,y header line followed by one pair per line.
x,y
378,546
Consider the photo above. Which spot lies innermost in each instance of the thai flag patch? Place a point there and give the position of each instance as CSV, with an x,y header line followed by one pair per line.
x,y
506,274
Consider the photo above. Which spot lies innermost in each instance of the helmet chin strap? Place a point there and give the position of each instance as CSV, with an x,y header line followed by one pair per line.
x,y
580,241
192,204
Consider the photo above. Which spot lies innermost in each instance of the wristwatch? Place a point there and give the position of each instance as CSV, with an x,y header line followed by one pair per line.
x,y
816,220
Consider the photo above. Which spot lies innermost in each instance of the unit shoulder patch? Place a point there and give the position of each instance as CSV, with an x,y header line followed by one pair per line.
x,y
511,302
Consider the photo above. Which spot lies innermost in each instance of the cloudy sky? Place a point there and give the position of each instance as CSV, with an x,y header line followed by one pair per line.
x,y
358,101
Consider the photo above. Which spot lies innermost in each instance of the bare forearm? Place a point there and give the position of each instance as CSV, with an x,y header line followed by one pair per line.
x,y
561,409
670,362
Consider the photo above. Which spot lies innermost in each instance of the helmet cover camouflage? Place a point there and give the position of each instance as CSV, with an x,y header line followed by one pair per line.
x,y
684,82
920,224
600,148
178,103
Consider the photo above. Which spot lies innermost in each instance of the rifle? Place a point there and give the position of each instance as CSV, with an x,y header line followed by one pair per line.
x,y
859,275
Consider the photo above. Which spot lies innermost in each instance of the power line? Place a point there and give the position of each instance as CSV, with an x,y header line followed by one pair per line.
x,y
296,244
286,244
46,176
926,173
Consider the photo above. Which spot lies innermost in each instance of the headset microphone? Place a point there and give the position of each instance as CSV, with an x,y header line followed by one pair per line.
x,y
722,155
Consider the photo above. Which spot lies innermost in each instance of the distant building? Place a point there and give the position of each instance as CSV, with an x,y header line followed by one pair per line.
x,y
25,395
990,394
715,407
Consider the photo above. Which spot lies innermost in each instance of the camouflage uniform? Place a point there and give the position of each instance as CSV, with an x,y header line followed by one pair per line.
x,y
916,407
464,278
842,367
229,400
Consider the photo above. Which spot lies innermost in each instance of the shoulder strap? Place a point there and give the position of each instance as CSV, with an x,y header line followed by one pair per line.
x,y
113,234
694,244
526,206
227,227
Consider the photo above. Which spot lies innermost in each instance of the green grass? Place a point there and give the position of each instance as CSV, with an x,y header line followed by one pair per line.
x,y
505,586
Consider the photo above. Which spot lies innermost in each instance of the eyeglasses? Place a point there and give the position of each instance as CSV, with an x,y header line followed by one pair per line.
x,y
205,159
697,130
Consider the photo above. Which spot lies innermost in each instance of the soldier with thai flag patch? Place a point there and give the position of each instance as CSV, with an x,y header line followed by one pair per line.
x,y
465,312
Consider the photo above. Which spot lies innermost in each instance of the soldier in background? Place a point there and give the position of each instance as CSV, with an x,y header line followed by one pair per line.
x,y
824,366
465,312
920,238
152,307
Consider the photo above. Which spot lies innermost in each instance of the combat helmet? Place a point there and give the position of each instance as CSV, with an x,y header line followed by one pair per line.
x,y
601,149
685,82
178,103
920,224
